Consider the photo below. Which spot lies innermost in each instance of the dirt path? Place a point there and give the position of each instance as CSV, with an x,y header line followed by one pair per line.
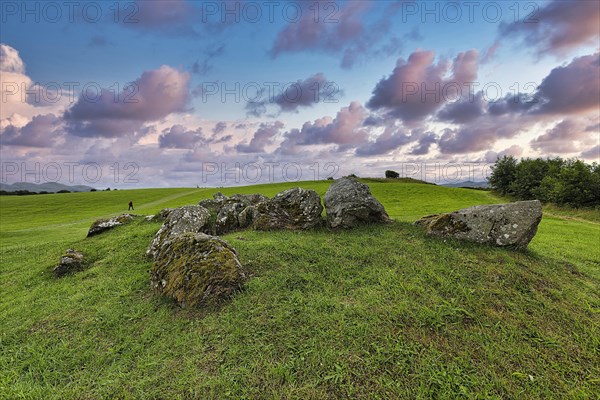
x,y
569,218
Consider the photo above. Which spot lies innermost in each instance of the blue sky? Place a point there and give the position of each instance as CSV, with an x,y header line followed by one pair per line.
x,y
370,60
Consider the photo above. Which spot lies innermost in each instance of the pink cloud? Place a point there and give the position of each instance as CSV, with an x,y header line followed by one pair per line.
x,y
558,27
153,96
418,87
41,131
345,129
261,138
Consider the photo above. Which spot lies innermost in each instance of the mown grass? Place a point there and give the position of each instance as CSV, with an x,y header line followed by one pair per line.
x,y
379,312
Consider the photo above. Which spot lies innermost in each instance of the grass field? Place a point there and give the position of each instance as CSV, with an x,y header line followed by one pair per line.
x,y
379,312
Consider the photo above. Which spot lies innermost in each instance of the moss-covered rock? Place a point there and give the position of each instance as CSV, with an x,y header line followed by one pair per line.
x,y
103,225
292,209
71,261
196,269
192,219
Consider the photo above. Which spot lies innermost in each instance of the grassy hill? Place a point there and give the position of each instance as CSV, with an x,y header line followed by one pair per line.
x,y
379,312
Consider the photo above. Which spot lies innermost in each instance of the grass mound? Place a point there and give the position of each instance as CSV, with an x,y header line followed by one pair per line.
x,y
376,312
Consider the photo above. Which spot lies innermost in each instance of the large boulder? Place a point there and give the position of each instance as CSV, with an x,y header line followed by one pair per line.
x,y
180,220
503,225
292,209
349,203
232,213
196,269
103,225
71,261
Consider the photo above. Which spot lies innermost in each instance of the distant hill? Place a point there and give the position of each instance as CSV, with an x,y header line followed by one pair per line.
x,y
51,187
467,184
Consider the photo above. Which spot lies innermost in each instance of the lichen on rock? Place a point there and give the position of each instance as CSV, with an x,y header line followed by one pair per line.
x,y
71,261
187,219
503,225
292,209
102,225
196,269
349,203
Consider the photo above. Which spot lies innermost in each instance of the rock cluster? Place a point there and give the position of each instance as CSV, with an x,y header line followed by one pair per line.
x,y
194,267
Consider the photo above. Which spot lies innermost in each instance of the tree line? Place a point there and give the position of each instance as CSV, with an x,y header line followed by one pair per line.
x,y
569,182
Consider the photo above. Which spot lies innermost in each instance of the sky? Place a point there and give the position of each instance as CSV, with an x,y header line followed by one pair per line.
x,y
178,93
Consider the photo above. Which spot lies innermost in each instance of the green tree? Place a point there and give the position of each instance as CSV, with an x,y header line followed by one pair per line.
x,y
503,174
577,185
529,176
391,174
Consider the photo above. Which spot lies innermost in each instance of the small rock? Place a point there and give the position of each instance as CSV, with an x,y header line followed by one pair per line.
x,y
71,261
102,225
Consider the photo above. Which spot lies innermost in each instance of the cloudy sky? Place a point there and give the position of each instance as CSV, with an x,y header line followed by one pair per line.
x,y
211,93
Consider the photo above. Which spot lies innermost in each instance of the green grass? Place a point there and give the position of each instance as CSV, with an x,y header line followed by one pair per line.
x,y
379,312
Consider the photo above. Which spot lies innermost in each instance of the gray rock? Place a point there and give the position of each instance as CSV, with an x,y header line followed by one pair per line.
x,y
251,199
71,261
349,203
502,225
228,217
103,225
164,213
185,219
292,209
196,269
229,213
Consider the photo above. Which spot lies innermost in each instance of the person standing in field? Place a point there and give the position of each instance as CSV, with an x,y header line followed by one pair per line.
x,y
130,205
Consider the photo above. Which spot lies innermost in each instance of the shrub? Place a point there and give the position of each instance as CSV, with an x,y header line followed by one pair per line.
x,y
572,182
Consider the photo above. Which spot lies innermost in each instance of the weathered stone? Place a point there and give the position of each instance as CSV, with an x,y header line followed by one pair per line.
x,y
164,213
247,216
226,211
292,209
71,261
102,225
251,199
503,225
185,219
349,203
196,269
